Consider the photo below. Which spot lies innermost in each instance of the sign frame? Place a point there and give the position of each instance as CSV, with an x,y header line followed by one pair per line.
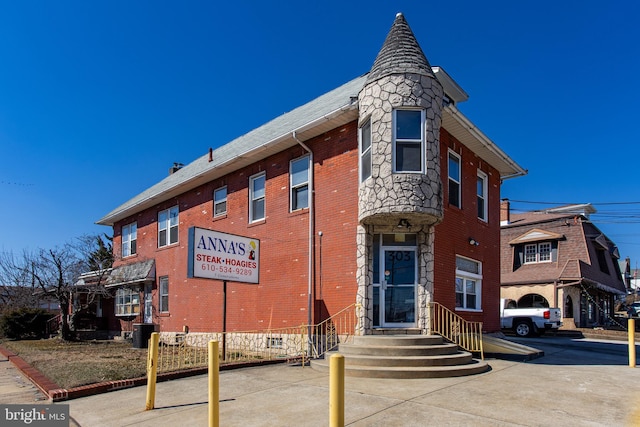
x,y
223,256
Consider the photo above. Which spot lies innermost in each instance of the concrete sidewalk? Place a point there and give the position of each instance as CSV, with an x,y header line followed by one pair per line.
x,y
15,387
572,385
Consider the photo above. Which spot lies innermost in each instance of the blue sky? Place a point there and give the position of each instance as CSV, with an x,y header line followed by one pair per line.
x,y
99,98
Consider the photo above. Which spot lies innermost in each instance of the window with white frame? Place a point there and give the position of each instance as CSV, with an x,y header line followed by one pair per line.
x,y
168,227
365,151
299,185
482,196
220,201
163,294
257,197
129,239
537,252
127,302
408,141
454,179
468,284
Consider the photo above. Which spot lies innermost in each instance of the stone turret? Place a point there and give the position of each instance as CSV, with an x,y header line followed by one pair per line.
x,y
401,104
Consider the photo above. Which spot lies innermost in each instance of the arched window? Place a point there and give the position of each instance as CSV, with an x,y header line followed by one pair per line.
x,y
533,300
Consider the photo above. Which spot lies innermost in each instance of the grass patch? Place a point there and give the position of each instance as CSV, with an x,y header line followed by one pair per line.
x,y
74,364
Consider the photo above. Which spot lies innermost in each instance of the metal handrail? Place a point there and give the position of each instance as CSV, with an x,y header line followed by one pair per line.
x,y
188,350
339,328
451,326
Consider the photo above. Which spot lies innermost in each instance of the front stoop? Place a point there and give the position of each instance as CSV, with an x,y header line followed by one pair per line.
x,y
403,356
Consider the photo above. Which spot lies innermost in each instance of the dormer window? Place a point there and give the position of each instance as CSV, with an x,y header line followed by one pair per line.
x,y
536,246
408,141
537,252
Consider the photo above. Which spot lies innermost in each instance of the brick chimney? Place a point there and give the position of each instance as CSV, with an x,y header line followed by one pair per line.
x,y
505,215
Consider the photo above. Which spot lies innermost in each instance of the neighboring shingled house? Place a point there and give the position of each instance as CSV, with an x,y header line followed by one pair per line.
x,y
557,257
380,192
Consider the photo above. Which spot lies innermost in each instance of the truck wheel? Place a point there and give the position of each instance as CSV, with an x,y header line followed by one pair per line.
x,y
523,328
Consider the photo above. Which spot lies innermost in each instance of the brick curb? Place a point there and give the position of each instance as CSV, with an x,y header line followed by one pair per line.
x,y
34,375
58,394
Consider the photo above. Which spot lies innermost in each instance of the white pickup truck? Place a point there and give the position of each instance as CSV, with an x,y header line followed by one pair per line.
x,y
529,321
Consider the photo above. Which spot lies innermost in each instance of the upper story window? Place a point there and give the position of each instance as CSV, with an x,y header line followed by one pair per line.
x,y
482,196
365,151
220,201
602,260
257,197
408,141
168,227
299,177
454,180
468,284
537,252
129,239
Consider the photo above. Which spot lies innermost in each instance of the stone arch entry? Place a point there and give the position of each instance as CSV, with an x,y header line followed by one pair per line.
x,y
533,300
568,307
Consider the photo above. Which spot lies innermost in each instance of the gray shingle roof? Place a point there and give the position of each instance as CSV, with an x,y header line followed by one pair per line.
x,y
400,53
265,135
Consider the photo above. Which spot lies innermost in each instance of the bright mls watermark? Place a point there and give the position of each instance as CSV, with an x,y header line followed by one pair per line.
x,y
34,415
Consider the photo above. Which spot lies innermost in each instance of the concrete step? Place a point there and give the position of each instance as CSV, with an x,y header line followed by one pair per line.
x,y
404,372
459,358
397,340
398,350
403,356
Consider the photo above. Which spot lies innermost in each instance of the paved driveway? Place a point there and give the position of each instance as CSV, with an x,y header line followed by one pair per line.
x,y
576,383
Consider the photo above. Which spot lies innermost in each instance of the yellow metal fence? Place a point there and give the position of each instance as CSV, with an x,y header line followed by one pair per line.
x,y
464,333
189,350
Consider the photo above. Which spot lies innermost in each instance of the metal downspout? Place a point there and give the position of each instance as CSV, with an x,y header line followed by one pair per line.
x,y
311,232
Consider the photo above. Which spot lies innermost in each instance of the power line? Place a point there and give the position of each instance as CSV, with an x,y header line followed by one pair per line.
x,y
570,203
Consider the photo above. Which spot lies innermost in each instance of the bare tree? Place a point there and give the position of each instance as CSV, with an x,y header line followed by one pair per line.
x,y
55,272
17,287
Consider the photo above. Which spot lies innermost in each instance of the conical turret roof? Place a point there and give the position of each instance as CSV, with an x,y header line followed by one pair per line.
x,y
400,53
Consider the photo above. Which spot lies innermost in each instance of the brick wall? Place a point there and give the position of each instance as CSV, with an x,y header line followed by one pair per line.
x,y
453,233
281,298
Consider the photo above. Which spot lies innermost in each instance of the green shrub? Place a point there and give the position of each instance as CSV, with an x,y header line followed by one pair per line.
x,y
24,323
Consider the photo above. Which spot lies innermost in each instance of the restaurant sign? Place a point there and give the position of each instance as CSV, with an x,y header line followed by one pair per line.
x,y
223,256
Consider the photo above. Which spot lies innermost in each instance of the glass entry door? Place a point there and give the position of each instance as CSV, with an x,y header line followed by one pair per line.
x,y
397,296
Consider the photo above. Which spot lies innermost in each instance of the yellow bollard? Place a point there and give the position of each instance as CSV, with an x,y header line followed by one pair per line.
x,y
152,370
631,327
214,385
336,391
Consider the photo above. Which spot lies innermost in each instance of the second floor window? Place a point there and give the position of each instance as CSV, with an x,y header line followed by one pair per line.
x,y
220,201
257,197
537,252
454,180
365,151
408,141
299,177
482,196
168,227
129,239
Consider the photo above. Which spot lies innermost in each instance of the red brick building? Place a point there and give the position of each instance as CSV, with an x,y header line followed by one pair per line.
x,y
380,192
